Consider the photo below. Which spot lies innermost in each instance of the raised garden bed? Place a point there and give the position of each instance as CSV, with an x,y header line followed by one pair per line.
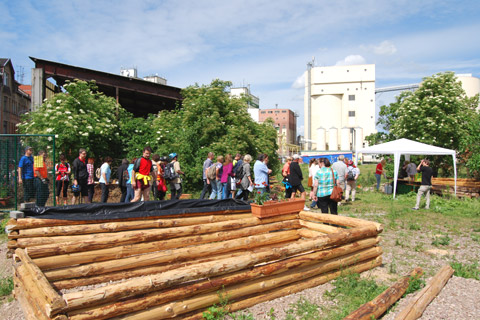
x,y
147,262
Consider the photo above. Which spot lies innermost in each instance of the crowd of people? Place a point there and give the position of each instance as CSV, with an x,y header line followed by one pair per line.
x,y
224,177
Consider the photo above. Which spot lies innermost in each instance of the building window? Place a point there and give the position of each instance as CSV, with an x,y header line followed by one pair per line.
x,y
5,79
351,113
277,111
284,111
5,104
351,97
263,112
270,111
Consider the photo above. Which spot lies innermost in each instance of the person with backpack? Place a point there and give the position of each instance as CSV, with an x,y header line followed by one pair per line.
x,y
214,173
142,174
172,175
206,182
62,172
123,177
245,176
236,179
351,176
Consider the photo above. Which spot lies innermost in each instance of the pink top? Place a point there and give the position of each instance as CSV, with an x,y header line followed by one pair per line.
x,y
90,173
227,171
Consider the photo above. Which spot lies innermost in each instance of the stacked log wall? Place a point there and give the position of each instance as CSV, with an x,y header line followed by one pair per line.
x,y
175,266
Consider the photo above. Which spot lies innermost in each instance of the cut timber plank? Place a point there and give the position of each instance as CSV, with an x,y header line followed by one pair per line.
x,y
419,303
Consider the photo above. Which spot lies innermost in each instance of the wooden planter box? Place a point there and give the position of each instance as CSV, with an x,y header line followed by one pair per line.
x,y
277,208
161,267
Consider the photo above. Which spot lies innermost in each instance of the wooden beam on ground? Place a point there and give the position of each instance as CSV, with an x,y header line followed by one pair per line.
x,y
419,303
375,308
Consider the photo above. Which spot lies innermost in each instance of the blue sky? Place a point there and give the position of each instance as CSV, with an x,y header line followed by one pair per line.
x,y
262,43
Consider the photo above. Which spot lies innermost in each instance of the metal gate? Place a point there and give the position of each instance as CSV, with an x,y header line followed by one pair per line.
x,y
37,186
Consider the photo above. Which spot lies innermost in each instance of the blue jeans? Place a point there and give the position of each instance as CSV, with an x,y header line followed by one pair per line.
x,y
213,184
225,192
378,177
130,193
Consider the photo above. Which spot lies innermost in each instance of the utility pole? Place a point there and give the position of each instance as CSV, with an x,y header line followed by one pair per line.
x,y
308,120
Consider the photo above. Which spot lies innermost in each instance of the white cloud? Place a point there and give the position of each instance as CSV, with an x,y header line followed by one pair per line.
x,y
351,60
385,48
299,83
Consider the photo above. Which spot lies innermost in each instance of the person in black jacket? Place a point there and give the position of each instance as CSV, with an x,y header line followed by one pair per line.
x,y
80,176
122,175
296,178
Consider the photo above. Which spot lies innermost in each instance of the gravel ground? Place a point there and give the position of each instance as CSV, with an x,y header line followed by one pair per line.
x,y
403,250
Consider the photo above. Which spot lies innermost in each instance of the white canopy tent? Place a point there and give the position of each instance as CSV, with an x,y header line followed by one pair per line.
x,y
407,147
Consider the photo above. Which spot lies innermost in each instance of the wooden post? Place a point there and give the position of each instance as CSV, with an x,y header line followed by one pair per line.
x,y
338,220
419,303
375,308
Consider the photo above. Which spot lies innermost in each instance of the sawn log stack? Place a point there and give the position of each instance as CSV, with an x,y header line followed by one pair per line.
x,y
163,266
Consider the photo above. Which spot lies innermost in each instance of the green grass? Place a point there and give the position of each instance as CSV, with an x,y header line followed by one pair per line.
x,y
350,292
471,271
6,286
303,310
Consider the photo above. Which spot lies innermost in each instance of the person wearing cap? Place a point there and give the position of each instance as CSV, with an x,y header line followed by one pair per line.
x,y
351,176
25,174
296,178
175,184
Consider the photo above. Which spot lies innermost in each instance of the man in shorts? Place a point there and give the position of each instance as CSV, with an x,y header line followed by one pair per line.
x,y
142,174
80,176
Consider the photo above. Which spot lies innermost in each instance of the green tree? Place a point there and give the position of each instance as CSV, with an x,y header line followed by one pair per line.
x,y
210,120
80,117
470,146
438,113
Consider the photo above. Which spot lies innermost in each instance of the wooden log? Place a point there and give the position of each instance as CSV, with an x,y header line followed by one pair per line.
x,y
53,299
419,303
318,227
338,220
157,298
176,255
68,259
375,308
209,269
29,307
29,223
307,233
30,290
143,271
104,240
116,226
285,286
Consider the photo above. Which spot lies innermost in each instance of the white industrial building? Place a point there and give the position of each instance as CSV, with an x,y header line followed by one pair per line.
x,y
339,107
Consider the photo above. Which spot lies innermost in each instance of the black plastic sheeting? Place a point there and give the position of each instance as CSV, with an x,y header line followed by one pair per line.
x,y
107,211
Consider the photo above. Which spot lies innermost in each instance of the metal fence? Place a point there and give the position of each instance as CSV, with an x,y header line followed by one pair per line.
x,y
37,186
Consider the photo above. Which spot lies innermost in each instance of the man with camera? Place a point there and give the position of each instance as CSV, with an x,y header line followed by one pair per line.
x,y
426,185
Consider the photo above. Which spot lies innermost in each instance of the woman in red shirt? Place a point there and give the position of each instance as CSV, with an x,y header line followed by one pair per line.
x,y
62,171
379,171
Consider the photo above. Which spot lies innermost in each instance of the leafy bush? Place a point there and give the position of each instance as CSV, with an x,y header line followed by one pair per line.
x,y
6,286
466,270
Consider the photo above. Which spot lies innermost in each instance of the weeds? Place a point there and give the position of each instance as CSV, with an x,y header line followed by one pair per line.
x,y
220,311
351,292
441,241
470,271
414,284
6,286
303,310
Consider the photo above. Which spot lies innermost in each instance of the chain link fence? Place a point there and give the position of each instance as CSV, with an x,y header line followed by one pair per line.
x,y
27,170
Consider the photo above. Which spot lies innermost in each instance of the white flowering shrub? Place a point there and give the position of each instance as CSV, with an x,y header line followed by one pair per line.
x,y
438,113
80,117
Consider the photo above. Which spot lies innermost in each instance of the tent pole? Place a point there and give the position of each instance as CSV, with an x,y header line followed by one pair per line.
x,y
455,172
396,165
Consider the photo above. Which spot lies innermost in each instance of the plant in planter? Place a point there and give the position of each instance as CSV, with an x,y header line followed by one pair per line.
x,y
269,205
